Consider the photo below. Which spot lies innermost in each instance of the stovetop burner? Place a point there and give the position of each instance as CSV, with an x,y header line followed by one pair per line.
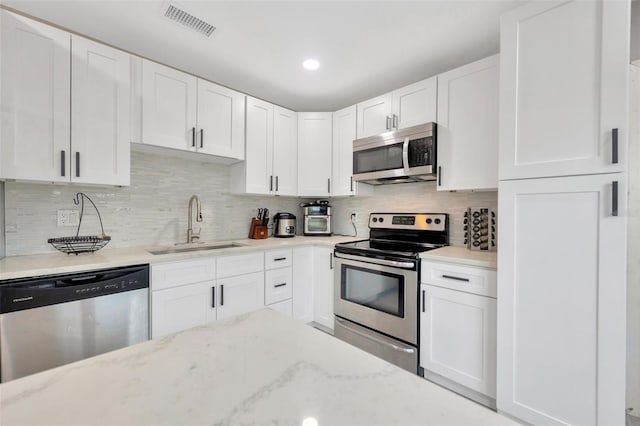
x,y
400,235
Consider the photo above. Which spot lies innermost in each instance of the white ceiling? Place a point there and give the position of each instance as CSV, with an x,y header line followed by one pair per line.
x,y
365,48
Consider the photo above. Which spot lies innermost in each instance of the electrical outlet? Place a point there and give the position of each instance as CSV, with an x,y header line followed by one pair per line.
x,y
68,217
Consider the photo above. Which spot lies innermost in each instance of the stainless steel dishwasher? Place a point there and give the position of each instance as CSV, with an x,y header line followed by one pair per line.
x,y
49,321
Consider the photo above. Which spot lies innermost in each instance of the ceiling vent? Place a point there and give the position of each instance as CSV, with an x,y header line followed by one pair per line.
x,y
175,13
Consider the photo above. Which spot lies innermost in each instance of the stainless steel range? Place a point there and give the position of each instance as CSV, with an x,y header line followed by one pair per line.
x,y
377,284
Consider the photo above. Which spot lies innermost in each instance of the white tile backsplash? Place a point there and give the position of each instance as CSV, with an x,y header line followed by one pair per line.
x,y
419,197
153,210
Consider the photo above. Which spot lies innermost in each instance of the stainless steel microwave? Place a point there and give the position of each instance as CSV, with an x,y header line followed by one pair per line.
x,y
406,155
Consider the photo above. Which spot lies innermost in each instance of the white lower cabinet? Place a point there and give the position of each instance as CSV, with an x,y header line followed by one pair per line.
x,y
323,286
285,307
241,294
303,283
278,279
179,308
458,329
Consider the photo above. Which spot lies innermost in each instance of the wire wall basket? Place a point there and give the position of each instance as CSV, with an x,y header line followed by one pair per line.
x,y
81,244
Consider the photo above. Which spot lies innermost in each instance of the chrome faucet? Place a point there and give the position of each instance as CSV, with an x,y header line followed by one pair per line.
x,y
190,235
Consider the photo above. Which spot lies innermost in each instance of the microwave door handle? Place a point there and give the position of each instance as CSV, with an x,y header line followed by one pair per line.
x,y
405,155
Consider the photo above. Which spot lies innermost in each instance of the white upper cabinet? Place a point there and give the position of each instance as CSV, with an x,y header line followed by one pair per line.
x,y
220,121
35,99
187,113
168,107
344,132
414,104
563,88
271,151
285,152
468,126
99,113
374,116
59,125
409,106
314,153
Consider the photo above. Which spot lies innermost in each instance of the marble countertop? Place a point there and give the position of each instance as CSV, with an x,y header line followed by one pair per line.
x,y
463,256
258,368
60,263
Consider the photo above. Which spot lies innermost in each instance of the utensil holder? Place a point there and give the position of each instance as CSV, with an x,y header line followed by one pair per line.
x,y
257,231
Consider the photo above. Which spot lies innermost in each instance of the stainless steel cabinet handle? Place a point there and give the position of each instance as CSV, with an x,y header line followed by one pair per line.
x,y
451,277
77,164
193,137
439,175
614,146
213,296
278,259
395,121
351,183
329,185
614,198
280,285
388,123
201,138
271,183
222,295
330,260
277,183
423,301
63,166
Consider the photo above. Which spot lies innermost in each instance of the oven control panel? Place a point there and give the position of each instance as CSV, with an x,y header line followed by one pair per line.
x,y
418,221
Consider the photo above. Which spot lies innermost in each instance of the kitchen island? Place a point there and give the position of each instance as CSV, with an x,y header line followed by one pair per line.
x,y
257,368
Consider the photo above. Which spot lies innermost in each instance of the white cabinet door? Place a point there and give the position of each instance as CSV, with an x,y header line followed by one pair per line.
x,y
314,153
34,100
284,307
285,151
563,88
168,107
458,337
323,286
99,113
179,308
414,104
374,116
241,294
303,279
220,121
344,132
259,147
468,126
561,298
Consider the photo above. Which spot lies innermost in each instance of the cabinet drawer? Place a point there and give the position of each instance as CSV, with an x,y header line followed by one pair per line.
x,y
460,277
174,274
230,266
277,258
277,285
285,307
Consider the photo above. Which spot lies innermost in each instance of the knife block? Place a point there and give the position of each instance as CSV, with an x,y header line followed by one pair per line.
x,y
257,231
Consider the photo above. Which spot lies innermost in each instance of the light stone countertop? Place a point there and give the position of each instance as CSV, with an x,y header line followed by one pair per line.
x,y
60,263
463,256
257,368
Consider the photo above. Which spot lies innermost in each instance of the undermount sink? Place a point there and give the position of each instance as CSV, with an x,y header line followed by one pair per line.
x,y
195,248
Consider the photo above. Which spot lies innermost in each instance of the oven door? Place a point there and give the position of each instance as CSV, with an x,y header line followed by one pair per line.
x,y
375,294
320,225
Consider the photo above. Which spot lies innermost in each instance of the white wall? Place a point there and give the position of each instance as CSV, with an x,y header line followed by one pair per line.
x,y
633,280
409,198
152,211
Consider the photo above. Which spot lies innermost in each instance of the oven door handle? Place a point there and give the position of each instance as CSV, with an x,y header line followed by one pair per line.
x,y
383,262
374,339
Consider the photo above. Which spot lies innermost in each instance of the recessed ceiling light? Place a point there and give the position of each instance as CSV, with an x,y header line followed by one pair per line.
x,y
311,64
